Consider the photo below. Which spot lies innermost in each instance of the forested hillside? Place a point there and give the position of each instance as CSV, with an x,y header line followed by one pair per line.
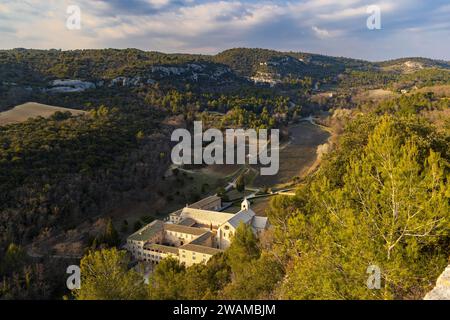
x,y
379,198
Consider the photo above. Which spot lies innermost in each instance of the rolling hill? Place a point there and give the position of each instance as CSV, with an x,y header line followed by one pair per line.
x,y
28,110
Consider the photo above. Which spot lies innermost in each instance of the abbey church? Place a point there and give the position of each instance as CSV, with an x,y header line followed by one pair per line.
x,y
194,233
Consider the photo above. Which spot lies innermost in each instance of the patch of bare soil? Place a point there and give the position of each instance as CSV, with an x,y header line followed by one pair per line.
x,y
28,110
373,95
66,244
297,156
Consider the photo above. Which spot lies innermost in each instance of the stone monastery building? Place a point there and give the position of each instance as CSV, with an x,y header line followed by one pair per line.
x,y
192,234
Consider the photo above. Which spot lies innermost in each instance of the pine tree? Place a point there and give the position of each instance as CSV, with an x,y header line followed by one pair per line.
x,y
14,258
391,212
166,282
240,183
243,249
105,276
111,237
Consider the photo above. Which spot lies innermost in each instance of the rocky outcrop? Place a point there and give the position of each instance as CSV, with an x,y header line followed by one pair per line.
x,y
69,85
187,72
442,289
126,81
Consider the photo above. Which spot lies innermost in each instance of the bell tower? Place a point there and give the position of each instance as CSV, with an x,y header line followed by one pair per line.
x,y
245,205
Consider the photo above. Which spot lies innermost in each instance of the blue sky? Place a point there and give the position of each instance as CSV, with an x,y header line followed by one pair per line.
x,y
333,27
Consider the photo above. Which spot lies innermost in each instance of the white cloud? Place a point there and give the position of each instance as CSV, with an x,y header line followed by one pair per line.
x,y
321,33
159,3
344,14
3,8
209,26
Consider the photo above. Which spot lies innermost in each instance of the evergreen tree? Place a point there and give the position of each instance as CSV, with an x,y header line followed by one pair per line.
x,y
392,212
166,281
240,183
243,249
111,237
257,281
105,276
15,256
207,281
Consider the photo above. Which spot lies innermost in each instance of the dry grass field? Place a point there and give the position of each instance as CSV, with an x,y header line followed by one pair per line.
x,y
439,90
373,95
298,156
28,110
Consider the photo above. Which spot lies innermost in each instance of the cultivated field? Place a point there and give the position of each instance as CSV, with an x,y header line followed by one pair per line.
x,y
28,110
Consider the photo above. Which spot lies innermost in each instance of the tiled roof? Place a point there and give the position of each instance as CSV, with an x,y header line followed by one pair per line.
x,y
184,229
148,231
204,202
187,222
197,205
259,222
214,217
200,249
244,216
202,239
161,248
176,213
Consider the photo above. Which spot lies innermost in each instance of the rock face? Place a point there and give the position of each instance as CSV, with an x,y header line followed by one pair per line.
x,y
442,289
69,85
413,65
194,72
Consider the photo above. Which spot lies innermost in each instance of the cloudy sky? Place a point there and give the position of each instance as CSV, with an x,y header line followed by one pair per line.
x,y
333,27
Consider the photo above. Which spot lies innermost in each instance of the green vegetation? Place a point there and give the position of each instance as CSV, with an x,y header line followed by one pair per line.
x,y
105,276
240,183
20,65
394,80
413,104
58,172
22,278
61,168
247,62
253,109
240,273
379,198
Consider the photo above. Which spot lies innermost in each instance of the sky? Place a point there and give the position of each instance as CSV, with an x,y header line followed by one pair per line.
x,y
409,28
